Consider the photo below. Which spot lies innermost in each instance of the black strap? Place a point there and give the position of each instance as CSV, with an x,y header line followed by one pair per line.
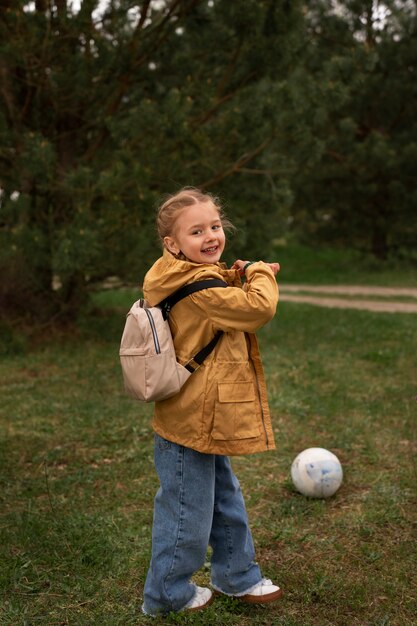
x,y
167,304
203,354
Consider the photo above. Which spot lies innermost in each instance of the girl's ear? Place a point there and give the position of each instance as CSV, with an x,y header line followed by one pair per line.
x,y
170,244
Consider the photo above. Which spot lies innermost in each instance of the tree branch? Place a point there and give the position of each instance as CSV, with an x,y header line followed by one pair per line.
x,y
237,166
6,92
200,121
143,15
126,78
229,71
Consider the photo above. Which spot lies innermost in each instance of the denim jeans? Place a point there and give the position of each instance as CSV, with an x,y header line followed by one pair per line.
x,y
199,503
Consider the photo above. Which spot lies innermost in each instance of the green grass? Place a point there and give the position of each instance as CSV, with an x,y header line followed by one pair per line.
x,y
77,479
325,265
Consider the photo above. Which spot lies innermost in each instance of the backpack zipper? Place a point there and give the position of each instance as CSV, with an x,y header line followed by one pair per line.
x,y
153,329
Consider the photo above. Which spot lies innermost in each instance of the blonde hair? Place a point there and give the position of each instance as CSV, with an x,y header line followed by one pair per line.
x,y
169,211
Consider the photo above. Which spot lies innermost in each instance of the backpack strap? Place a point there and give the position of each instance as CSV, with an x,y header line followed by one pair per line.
x,y
194,363
166,305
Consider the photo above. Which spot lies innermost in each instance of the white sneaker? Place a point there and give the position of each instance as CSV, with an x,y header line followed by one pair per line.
x,y
264,591
202,597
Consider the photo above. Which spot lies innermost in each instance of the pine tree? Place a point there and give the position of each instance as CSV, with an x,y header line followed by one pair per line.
x,y
361,190
104,109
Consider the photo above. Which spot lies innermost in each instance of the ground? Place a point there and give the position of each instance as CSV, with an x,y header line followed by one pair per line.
x,y
378,299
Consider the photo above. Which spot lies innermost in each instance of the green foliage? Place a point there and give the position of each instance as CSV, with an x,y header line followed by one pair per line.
x,y
297,115
100,116
361,191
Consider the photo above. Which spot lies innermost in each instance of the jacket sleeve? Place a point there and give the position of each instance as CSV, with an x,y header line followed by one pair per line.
x,y
234,308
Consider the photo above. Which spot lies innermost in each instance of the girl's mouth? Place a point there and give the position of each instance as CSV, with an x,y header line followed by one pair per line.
x,y
210,250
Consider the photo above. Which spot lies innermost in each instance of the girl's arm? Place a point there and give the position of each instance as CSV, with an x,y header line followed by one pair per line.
x,y
233,308
240,266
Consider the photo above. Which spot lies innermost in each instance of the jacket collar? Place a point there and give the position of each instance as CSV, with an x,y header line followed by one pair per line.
x,y
169,274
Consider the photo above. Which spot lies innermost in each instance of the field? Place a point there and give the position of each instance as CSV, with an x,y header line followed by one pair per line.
x,y
322,265
77,479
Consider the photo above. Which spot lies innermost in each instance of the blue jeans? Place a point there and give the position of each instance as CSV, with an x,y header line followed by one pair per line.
x,y
199,503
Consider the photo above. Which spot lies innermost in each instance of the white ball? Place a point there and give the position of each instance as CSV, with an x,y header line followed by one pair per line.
x,y
317,473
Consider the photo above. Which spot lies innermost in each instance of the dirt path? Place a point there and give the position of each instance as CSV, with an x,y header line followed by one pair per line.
x,y
322,295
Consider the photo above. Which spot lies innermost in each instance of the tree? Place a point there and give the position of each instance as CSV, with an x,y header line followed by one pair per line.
x,y
103,110
65,77
361,191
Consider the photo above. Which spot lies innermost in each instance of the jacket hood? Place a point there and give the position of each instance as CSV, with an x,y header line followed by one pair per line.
x,y
169,274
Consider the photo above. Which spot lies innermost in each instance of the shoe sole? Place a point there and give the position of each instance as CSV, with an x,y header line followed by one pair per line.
x,y
269,597
252,599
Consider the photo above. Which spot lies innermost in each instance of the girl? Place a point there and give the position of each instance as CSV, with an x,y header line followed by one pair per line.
x,y
221,410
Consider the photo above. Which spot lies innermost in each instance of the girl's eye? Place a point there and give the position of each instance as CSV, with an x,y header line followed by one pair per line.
x,y
196,232
216,226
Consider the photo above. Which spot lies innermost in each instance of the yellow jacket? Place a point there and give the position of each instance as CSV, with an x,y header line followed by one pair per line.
x,y
223,407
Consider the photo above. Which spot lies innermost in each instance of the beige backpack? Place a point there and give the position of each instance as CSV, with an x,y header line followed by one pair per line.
x,y
150,368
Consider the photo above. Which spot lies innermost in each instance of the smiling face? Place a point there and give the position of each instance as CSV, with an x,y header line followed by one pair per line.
x,y
198,234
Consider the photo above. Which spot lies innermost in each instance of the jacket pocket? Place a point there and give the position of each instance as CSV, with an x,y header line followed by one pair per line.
x,y
235,412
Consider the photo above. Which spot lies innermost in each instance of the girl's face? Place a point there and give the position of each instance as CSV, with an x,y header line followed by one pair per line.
x,y
198,234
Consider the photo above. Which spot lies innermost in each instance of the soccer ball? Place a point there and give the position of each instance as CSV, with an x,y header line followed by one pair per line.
x,y
317,473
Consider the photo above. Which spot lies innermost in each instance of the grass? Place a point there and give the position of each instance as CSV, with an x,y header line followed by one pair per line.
x,y
77,479
326,265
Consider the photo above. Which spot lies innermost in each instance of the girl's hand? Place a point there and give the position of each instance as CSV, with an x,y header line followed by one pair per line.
x,y
275,267
239,265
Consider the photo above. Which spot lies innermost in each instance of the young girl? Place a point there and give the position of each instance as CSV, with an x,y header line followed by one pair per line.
x,y
221,410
